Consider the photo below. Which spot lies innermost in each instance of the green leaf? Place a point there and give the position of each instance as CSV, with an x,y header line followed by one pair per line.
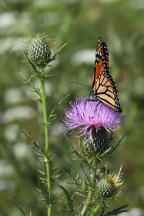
x,y
28,81
68,198
58,52
117,211
117,144
19,207
44,191
34,143
33,66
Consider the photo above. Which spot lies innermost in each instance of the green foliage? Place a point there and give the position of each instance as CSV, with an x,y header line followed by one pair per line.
x,y
19,207
117,211
69,200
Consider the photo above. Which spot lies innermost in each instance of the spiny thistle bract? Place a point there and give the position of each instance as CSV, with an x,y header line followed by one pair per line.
x,y
109,185
99,143
38,51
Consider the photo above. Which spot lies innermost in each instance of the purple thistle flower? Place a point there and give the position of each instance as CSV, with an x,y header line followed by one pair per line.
x,y
91,116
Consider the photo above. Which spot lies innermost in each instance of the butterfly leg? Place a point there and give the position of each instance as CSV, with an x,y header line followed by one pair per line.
x,y
98,103
92,100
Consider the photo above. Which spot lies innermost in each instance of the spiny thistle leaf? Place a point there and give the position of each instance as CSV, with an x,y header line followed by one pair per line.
x,y
113,147
52,114
68,198
30,62
34,143
116,144
52,117
53,175
58,51
28,81
43,190
117,211
41,172
19,207
75,177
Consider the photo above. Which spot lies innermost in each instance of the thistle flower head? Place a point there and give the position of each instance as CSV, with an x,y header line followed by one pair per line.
x,y
109,185
39,51
114,179
91,116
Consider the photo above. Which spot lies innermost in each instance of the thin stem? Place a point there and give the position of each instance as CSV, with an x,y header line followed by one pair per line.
x,y
30,214
97,210
89,196
87,202
46,159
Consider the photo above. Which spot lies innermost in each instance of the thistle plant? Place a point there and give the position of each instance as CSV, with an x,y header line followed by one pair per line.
x,y
96,123
39,55
93,186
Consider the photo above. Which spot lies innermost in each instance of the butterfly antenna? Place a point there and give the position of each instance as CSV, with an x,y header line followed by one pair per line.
x,y
99,39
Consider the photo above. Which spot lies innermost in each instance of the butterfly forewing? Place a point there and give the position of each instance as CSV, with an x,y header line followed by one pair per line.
x,y
101,61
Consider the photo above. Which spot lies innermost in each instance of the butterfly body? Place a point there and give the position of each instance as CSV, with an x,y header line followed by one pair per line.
x,y
103,86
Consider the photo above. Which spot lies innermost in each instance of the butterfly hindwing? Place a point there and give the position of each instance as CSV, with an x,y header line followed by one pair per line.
x,y
107,92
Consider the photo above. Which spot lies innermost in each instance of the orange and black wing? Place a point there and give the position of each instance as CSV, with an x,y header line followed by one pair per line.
x,y
103,86
101,60
106,91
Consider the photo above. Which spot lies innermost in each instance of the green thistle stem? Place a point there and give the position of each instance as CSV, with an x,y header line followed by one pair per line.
x,y
87,202
96,211
46,159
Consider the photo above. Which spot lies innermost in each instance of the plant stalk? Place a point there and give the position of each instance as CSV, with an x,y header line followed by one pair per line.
x,y
97,210
87,202
46,159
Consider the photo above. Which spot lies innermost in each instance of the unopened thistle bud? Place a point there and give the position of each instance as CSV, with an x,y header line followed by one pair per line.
x,y
39,51
99,143
109,185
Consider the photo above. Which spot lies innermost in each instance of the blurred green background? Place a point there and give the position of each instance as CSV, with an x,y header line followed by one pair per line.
x,y
79,23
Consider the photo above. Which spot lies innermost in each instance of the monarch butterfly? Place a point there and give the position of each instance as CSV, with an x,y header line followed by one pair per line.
x,y
103,86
